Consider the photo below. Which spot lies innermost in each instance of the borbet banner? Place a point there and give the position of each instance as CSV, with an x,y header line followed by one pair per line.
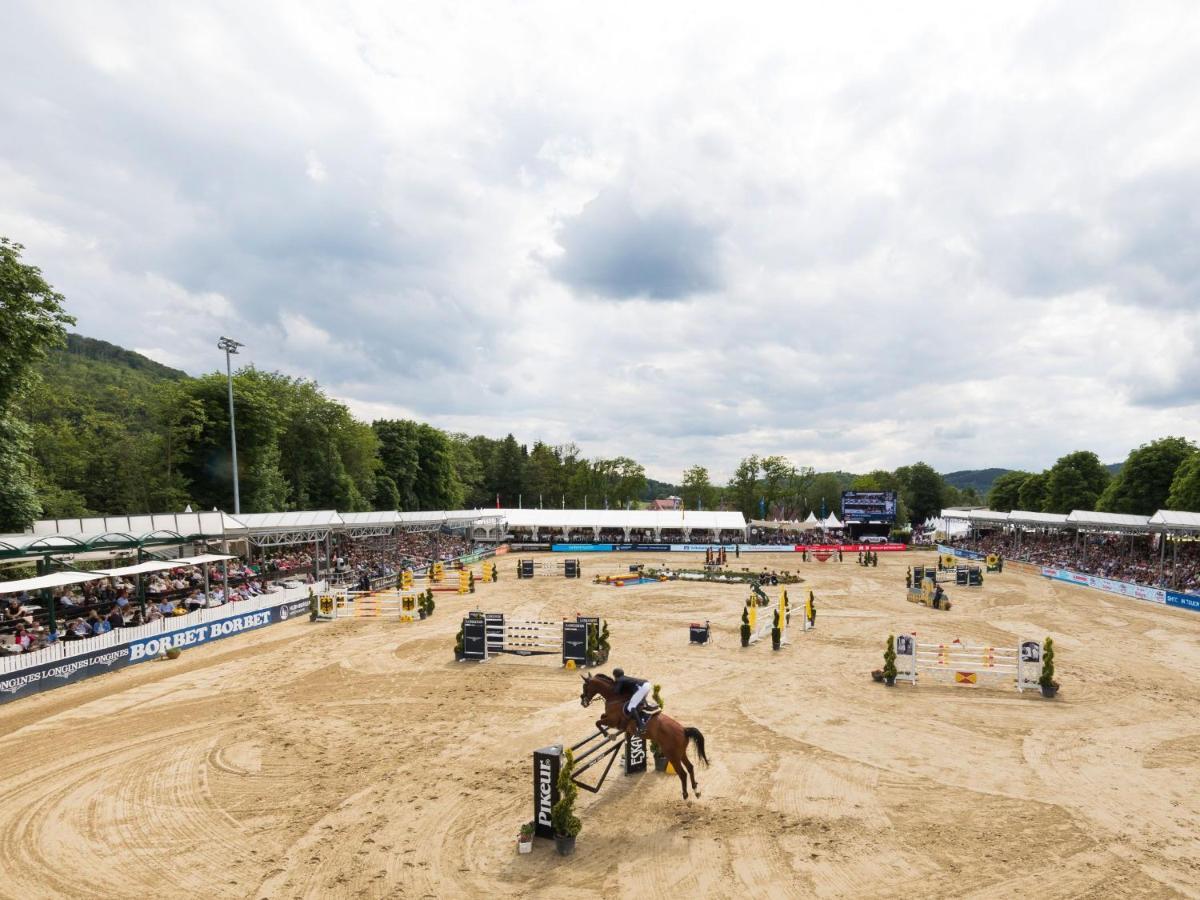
x,y
149,648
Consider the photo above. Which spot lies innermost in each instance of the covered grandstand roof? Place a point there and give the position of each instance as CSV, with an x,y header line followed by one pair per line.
x,y
1175,520
622,518
1106,521
209,524
1016,517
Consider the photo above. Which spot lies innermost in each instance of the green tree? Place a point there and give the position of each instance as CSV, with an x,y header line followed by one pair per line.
x,y
544,477
1032,493
696,490
1185,487
32,320
743,487
508,472
1144,482
1076,481
923,491
822,495
1005,493
776,483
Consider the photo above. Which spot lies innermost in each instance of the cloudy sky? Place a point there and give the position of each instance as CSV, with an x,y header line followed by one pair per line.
x,y
857,237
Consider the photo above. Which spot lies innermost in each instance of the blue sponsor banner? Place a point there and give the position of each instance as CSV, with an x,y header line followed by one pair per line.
x,y
1183,601
148,648
60,672
582,548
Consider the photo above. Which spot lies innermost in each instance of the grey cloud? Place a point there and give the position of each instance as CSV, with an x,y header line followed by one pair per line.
x,y
614,250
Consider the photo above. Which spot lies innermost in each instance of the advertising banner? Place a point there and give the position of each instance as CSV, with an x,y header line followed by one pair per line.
x,y
582,548
1125,589
1183,601
965,554
60,672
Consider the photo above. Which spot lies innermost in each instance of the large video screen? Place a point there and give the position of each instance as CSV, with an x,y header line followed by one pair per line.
x,y
868,506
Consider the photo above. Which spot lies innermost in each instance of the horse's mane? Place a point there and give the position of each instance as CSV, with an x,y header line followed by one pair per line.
x,y
600,676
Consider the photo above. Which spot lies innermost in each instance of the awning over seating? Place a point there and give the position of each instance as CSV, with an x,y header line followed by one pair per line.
x,y
42,582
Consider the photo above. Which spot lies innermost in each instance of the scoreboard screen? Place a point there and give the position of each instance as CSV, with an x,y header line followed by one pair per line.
x,y
868,506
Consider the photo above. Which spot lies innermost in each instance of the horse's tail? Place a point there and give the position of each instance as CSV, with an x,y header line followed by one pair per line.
x,y
695,735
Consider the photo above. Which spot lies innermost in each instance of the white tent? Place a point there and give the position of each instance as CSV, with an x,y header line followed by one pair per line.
x,y
831,522
812,520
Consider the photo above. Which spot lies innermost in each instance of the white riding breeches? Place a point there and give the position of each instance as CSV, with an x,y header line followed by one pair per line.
x,y
638,696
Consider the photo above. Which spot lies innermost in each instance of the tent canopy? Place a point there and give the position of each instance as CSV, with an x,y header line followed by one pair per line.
x,y
42,582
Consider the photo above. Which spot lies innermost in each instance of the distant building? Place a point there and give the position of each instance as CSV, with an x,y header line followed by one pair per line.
x,y
666,503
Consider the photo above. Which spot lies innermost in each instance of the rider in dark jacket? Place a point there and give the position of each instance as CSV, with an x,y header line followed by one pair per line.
x,y
635,690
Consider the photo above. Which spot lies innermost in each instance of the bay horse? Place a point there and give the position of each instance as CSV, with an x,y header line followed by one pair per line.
x,y
671,737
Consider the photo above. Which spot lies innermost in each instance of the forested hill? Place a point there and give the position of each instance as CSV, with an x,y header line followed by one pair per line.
x,y
979,479
103,351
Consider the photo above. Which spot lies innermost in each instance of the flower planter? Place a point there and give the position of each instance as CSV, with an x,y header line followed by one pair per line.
x,y
564,844
1049,690
660,763
890,681
877,675
525,845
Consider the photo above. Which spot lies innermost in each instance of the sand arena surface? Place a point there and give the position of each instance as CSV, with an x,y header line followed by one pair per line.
x,y
355,759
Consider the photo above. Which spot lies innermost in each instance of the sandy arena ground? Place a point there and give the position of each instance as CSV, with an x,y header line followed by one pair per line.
x,y
355,759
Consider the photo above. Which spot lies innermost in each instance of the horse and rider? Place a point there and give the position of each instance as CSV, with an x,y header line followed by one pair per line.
x,y
625,710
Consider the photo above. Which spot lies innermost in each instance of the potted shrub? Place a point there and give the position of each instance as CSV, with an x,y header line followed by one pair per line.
x,y
603,645
660,760
562,815
1048,684
877,675
429,604
525,840
776,632
458,645
889,662
746,624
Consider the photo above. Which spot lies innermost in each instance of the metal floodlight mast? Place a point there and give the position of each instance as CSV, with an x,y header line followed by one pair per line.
x,y
230,346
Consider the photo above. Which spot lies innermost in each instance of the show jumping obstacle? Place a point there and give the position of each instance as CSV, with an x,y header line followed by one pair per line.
x,y
598,747
387,604
568,568
488,634
966,664
927,595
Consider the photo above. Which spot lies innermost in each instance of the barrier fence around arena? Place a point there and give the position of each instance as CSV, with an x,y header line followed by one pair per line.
x,y
967,664
68,661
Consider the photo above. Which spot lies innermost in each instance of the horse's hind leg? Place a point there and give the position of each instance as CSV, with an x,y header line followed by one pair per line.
x,y
692,773
677,765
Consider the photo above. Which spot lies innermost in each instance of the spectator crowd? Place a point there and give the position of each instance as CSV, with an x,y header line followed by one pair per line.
x,y
1118,557
97,607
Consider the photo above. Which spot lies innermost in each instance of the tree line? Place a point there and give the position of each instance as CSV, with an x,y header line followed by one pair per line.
x,y
1163,474
88,428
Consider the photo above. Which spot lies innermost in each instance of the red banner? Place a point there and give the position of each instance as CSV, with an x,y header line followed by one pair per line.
x,y
849,548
